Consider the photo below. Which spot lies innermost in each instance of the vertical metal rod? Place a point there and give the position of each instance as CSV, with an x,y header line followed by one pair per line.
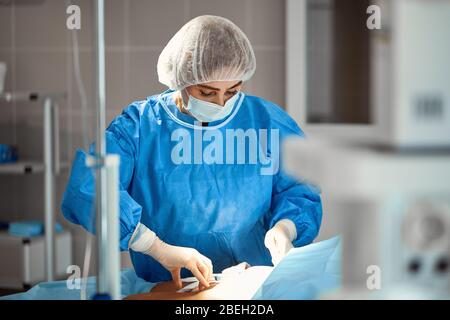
x,y
49,189
112,162
104,269
100,87
56,145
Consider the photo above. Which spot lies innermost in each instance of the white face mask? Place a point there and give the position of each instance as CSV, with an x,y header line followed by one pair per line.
x,y
205,111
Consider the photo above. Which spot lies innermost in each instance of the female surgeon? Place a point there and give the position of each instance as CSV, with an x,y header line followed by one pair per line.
x,y
200,184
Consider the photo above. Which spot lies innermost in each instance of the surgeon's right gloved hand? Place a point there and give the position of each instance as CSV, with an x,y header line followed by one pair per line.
x,y
173,258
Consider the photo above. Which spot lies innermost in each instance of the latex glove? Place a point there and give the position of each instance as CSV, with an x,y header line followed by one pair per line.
x,y
279,239
174,258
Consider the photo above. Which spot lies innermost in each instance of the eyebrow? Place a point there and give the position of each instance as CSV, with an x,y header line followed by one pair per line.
x,y
217,89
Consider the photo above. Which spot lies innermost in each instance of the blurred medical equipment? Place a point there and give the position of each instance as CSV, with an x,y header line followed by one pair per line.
x,y
50,164
387,86
104,218
86,133
24,259
8,153
105,166
107,177
393,211
3,69
391,193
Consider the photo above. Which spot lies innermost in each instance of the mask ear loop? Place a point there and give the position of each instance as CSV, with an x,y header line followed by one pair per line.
x,y
184,100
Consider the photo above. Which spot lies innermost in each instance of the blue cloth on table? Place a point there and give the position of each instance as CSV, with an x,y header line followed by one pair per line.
x,y
30,228
305,273
58,290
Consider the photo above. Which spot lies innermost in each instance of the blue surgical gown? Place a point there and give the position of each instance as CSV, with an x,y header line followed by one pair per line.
x,y
221,208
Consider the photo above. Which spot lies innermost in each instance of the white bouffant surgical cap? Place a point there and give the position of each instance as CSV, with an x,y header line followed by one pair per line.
x,y
206,49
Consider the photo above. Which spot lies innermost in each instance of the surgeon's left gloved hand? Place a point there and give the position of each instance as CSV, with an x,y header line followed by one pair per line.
x,y
279,239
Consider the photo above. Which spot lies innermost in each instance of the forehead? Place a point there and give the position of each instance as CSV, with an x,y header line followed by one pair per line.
x,y
218,85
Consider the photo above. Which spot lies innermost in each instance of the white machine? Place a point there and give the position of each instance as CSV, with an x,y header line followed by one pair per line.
x,y
392,210
388,86
25,264
411,83
385,177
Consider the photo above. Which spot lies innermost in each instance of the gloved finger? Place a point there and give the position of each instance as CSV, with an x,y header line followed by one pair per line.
x,y
198,264
176,277
204,270
273,252
288,246
198,274
280,243
273,247
277,253
208,276
269,239
210,268
207,262
276,259
283,245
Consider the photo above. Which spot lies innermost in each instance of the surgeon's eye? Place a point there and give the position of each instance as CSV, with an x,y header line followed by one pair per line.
x,y
207,94
231,93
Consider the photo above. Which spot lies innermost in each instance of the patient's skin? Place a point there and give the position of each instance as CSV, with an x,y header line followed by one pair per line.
x,y
239,287
168,291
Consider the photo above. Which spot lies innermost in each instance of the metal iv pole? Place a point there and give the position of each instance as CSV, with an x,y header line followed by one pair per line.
x,y
107,178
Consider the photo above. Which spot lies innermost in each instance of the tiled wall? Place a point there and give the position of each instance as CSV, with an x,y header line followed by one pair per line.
x,y
35,43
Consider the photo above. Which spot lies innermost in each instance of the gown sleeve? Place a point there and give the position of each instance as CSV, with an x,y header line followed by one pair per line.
x,y
294,199
78,204
298,202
